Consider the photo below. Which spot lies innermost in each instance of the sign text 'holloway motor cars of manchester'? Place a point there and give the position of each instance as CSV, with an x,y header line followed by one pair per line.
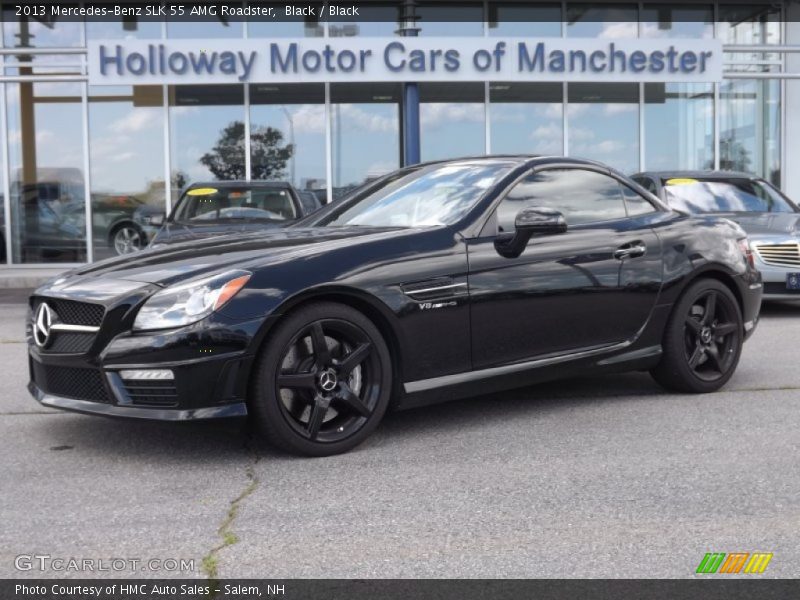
x,y
114,62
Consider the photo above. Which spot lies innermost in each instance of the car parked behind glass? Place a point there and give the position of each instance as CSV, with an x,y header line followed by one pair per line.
x,y
208,209
771,220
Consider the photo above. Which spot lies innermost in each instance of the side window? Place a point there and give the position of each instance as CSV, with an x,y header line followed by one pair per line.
x,y
309,202
582,196
636,204
647,184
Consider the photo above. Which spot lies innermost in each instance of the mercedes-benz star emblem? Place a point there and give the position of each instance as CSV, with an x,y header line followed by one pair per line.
x,y
327,381
42,322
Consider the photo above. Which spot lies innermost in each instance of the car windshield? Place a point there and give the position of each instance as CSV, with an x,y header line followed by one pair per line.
x,y
432,195
202,205
729,195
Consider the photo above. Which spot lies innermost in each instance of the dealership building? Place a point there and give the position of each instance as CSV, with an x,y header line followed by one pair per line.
x,y
104,120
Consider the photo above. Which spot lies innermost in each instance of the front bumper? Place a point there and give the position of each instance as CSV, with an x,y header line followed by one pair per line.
x,y
238,409
210,365
775,283
202,389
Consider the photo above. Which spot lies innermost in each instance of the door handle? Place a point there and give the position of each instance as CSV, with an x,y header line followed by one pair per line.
x,y
631,250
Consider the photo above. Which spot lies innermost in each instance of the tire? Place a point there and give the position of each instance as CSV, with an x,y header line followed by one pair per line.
x,y
322,382
127,238
702,341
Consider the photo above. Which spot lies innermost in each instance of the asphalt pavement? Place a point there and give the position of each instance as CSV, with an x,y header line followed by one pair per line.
x,y
603,477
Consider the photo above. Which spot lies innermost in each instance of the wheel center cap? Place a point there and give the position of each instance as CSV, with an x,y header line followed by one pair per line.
x,y
705,335
327,380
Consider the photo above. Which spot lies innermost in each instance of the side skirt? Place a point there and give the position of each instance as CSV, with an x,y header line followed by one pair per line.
x,y
505,377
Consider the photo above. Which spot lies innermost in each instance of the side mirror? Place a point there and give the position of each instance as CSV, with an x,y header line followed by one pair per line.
x,y
530,222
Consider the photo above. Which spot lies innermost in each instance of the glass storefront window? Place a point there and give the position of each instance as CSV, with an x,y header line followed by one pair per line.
x,y
211,27
750,128
377,19
689,21
287,135
30,32
603,123
283,27
22,33
47,182
452,120
130,28
206,125
527,118
365,126
441,19
609,21
126,161
679,126
753,23
513,19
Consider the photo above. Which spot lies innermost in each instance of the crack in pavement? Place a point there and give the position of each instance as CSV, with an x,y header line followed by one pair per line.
x,y
210,562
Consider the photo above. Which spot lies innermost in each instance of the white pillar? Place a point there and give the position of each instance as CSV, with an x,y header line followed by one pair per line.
x,y
791,128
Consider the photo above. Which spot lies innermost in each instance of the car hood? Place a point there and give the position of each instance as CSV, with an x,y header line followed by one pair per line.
x,y
756,224
176,262
172,233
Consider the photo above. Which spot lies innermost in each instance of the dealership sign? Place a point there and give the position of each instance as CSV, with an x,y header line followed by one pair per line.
x,y
297,60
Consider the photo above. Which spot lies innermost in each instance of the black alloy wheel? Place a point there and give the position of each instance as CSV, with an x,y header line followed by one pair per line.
x,y
710,335
323,382
703,340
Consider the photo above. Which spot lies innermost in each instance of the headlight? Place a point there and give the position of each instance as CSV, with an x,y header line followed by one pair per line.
x,y
189,302
154,220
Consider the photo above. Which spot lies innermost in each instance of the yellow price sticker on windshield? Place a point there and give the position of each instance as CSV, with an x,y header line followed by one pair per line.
x,y
681,181
202,192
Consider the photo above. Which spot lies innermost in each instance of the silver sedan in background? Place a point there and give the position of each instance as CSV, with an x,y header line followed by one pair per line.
x,y
771,220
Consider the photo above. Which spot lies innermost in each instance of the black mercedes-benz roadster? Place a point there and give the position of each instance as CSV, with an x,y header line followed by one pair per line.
x,y
436,281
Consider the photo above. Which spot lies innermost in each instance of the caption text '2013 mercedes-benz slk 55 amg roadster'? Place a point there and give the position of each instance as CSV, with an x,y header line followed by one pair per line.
x,y
434,282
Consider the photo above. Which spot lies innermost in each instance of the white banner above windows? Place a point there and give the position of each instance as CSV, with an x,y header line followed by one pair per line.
x,y
307,60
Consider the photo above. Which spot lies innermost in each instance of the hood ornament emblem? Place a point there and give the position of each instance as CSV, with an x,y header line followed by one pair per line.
x,y
42,324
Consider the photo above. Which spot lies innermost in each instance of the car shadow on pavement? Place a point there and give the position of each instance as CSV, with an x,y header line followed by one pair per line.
x,y
542,399
233,442
207,442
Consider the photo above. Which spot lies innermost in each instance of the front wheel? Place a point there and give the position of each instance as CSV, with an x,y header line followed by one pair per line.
x,y
127,239
703,339
323,382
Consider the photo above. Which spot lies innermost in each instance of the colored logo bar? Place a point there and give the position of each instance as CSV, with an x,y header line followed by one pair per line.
x,y
732,563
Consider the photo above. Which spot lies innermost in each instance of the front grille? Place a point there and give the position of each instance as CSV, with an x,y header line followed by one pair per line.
x,y
72,312
779,255
70,382
70,342
151,393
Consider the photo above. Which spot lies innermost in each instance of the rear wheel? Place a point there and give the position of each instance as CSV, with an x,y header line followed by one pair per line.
x,y
323,382
703,339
